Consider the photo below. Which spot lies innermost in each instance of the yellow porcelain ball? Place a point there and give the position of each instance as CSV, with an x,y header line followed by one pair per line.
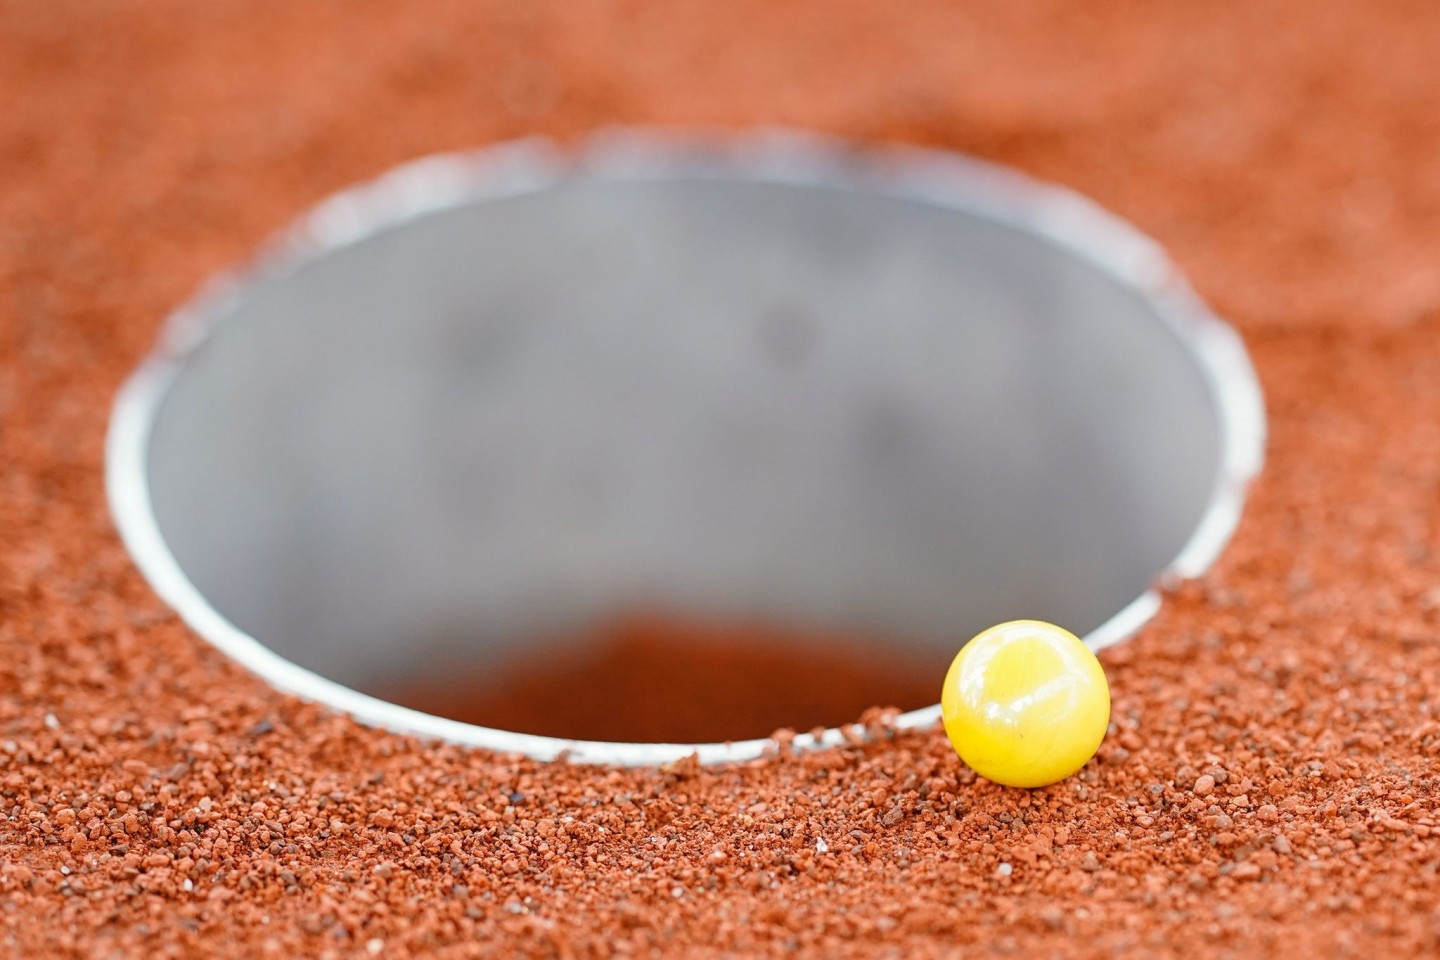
x,y
1025,703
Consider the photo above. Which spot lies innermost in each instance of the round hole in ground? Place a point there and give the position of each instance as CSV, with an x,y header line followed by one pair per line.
x,y
679,450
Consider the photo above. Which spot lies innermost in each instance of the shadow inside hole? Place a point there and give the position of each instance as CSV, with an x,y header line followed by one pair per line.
x,y
661,678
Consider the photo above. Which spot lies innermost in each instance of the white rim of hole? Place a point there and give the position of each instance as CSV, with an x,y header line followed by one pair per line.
x,y
1065,219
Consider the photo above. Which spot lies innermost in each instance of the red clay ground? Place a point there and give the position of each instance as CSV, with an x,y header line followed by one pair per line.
x,y
1270,787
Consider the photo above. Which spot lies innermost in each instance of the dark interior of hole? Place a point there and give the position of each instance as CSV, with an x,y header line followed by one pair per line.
x,y
662,678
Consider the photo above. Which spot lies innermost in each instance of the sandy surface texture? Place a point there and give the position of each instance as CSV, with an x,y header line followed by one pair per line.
x,y
1269,787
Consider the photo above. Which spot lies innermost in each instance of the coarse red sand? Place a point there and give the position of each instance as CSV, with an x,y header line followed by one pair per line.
x,y
1270,786
654,677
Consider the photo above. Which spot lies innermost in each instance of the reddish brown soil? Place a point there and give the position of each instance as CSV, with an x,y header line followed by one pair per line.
x,y
664,678
1270,787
